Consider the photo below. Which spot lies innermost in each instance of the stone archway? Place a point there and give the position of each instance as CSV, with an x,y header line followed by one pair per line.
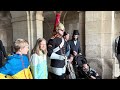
x,y
73,20
19,23
27,25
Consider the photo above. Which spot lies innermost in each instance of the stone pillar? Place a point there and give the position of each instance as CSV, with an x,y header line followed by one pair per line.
x,y
82,31
36,26
99,33
27,25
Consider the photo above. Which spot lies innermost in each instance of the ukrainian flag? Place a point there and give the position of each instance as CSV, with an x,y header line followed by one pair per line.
x,y
16,67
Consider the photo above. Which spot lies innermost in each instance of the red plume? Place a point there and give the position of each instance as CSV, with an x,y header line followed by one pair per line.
x,y
57,20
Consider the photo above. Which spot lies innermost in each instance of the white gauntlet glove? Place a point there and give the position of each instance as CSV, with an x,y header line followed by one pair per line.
x,y
56,56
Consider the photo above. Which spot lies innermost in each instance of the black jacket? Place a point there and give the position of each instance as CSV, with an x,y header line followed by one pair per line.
x,y
79,60
74,47
52,44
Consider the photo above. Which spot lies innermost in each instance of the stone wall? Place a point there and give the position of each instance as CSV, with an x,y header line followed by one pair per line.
x,y
6,34
99,38
116,70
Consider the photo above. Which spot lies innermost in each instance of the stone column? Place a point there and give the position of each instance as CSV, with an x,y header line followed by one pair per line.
x,y
82,31
99,33
36,26
27,25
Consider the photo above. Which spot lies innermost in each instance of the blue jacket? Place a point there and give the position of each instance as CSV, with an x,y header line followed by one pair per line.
x,y
17,67
39,66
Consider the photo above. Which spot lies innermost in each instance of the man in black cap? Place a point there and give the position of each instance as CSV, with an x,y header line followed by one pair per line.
x,y
75,44
78,60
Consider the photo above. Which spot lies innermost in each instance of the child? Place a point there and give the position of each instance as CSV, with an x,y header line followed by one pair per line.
x,y
17,65
39,60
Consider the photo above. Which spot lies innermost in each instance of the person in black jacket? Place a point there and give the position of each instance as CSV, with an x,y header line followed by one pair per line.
x,y
2,53
117,50
70,74
78,60
56,52
75,43
89,73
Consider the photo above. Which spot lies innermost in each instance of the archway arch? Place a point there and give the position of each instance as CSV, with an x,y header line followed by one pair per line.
x,y
19,24
27,25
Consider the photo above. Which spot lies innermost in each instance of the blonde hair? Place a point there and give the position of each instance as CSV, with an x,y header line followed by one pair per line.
x,y
19,43
36,48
